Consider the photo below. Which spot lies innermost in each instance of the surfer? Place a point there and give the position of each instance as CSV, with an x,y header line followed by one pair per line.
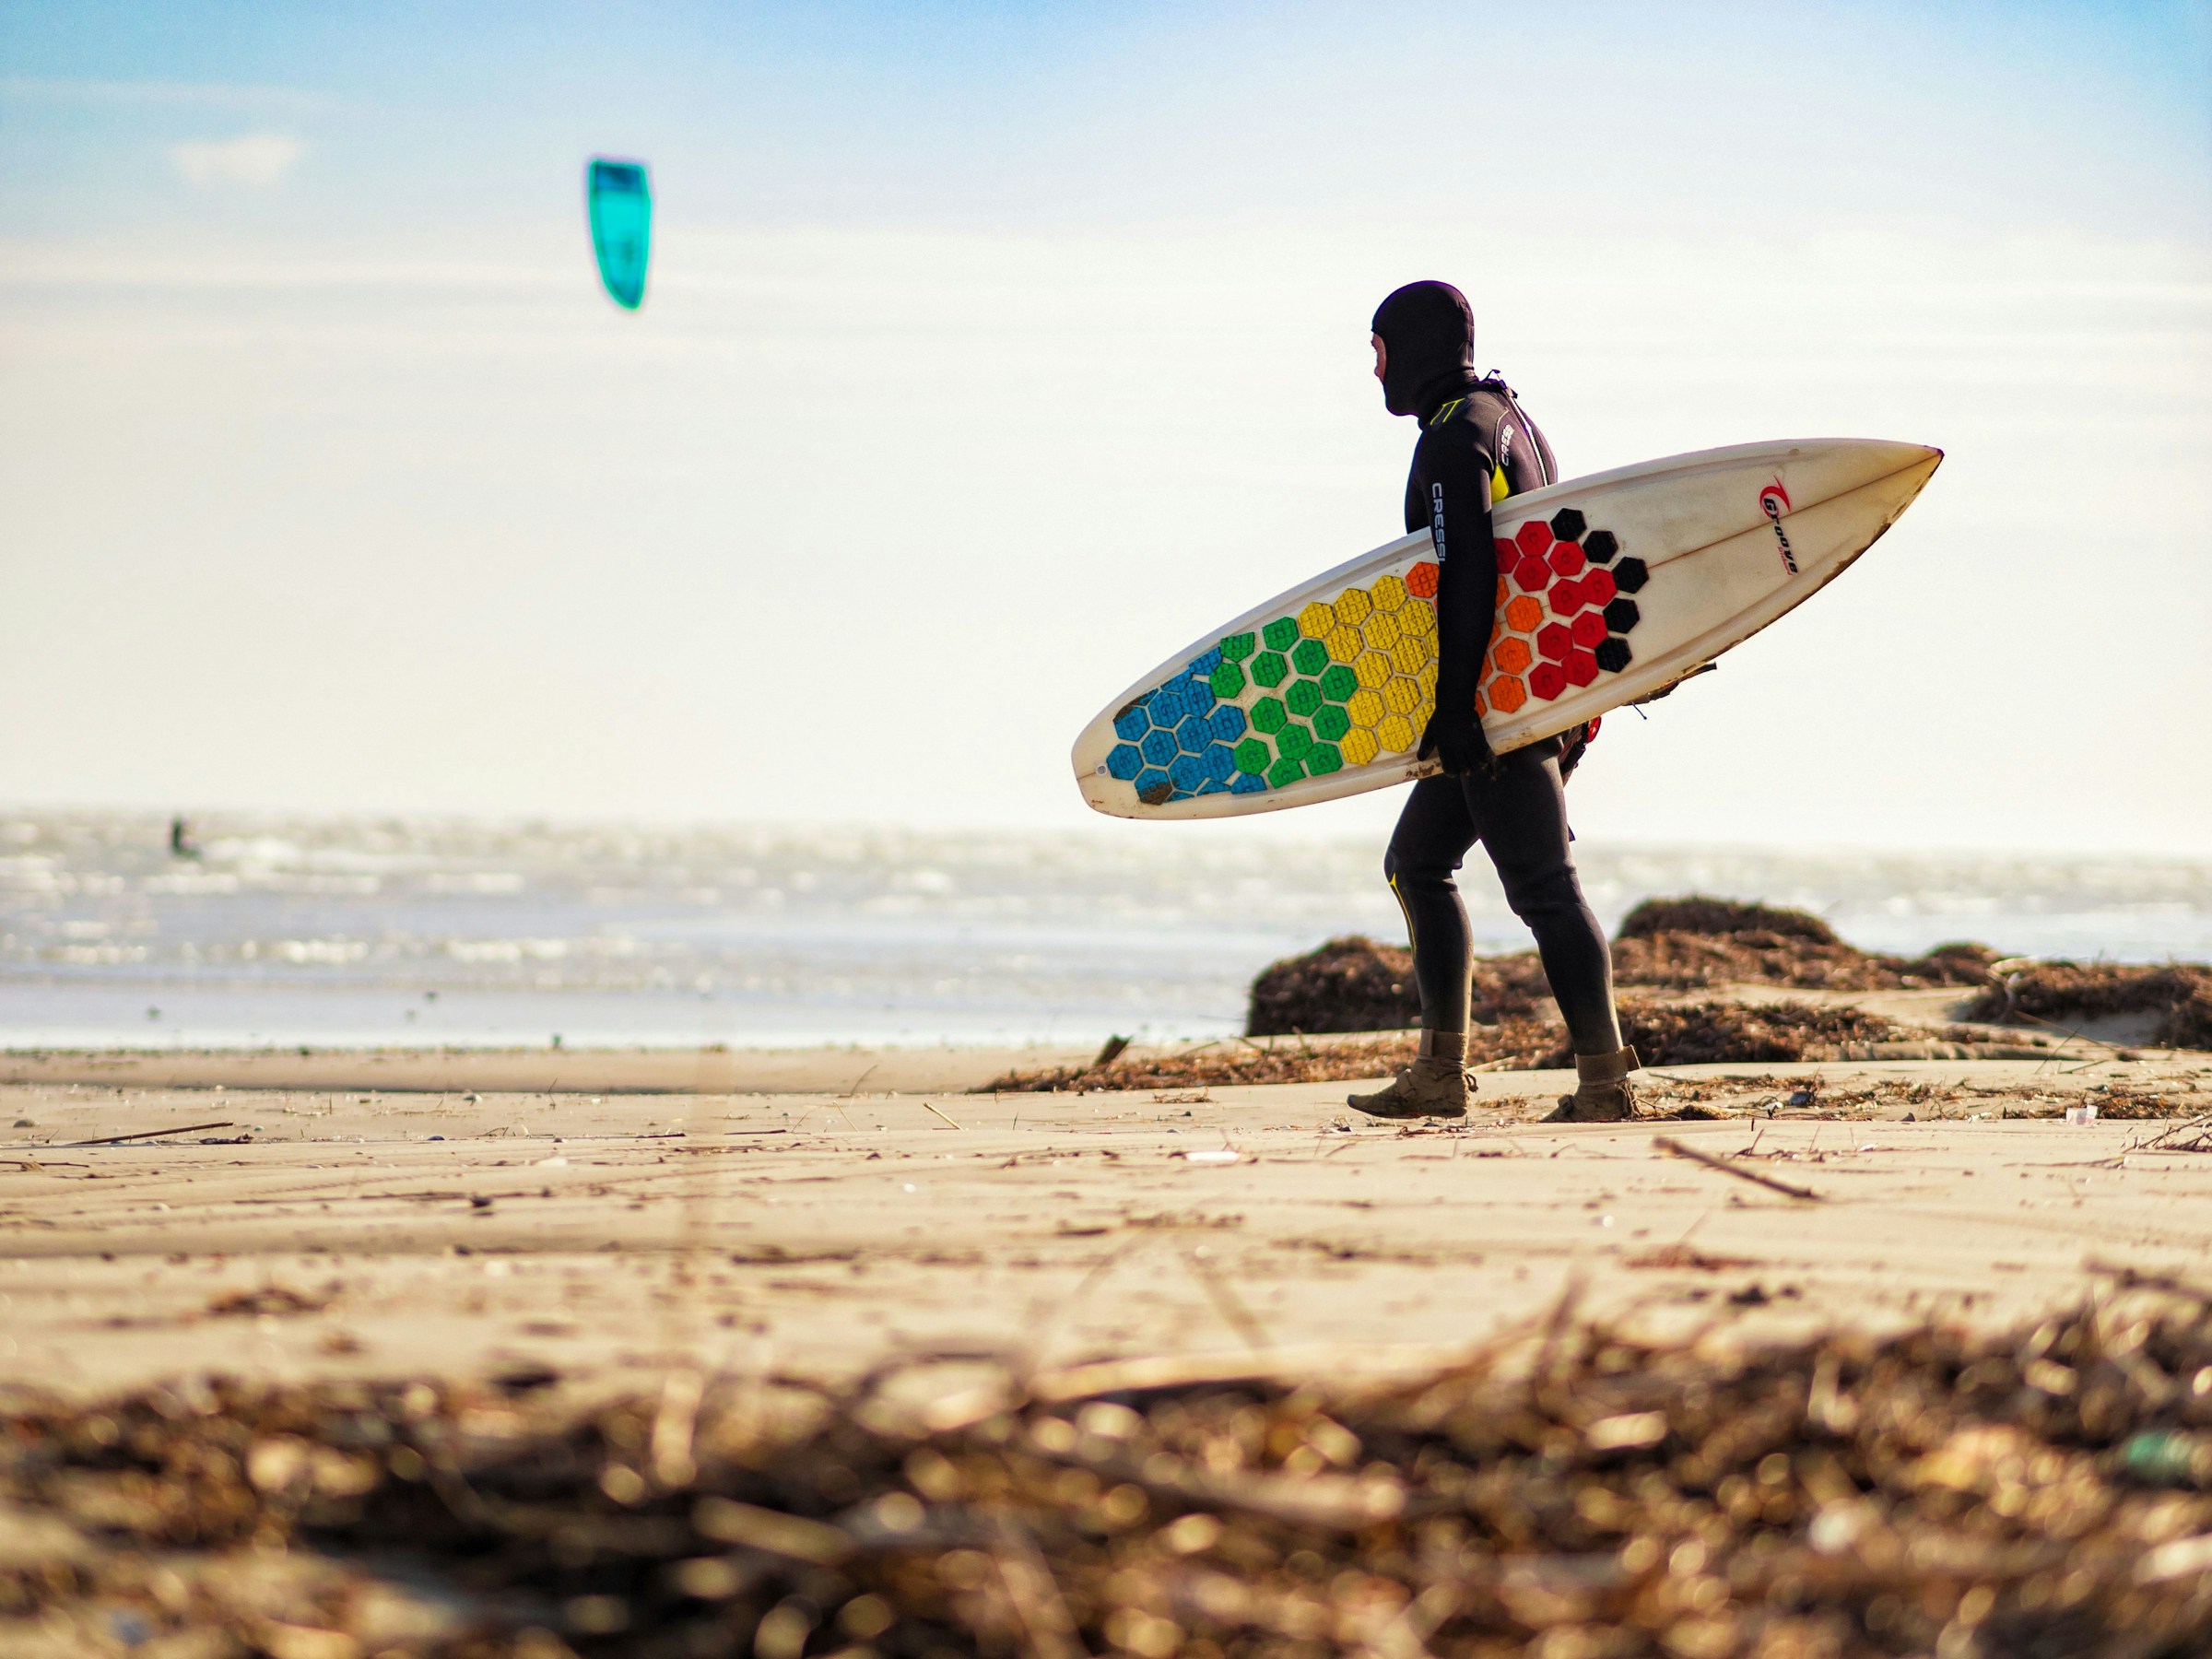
x,y
1476,446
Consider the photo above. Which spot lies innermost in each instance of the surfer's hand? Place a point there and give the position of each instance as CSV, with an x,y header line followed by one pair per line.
x,y
1456,738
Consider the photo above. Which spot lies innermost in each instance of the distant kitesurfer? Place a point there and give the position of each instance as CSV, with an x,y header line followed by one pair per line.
x,y
180,844
1478,446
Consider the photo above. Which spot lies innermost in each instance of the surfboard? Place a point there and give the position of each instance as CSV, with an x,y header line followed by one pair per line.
x,y
1610,588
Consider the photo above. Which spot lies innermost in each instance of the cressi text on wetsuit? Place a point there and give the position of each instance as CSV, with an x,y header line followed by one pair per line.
x,y
1476,446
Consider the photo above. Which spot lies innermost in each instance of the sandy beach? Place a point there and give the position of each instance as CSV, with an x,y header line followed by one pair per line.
x,y
623,1036
434,1221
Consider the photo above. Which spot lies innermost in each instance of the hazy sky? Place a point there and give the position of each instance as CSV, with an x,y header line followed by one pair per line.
x,y
994,351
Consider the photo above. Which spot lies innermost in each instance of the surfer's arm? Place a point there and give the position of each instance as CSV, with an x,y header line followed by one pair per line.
x,y
1453,475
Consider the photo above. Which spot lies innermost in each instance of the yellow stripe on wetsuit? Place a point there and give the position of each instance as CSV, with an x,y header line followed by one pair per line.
x,y
1499,489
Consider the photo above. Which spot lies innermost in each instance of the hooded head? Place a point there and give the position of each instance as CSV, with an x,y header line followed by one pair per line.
x,y
1427,335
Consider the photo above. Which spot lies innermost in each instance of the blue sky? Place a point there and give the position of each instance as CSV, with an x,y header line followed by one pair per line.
x,y
984,114
1034,337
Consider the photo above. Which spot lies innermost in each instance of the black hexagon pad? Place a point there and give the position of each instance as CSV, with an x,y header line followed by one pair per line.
x,y
1568,524
1601,546
1612,653
1622,614
1631,575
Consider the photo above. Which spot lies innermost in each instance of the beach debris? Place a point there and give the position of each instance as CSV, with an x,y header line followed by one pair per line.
x,y
1217,1154
2170,1138
1662,1033
1697,1033
1242,1061
1354,984
116,1140
1566,1490
277,1301
1112,1049
2082,1114
1684,943
2175,998
1682,1255
1669,1145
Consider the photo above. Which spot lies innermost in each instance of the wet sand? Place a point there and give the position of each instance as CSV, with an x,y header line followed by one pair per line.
x,y
412,1216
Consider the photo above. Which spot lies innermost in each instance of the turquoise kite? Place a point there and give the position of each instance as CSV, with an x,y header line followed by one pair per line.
x,y
621,209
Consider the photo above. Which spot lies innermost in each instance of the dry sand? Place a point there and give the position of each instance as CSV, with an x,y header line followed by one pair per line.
x,y
390,1215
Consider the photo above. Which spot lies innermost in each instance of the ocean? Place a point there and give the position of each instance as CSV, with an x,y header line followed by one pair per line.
x,y
365,931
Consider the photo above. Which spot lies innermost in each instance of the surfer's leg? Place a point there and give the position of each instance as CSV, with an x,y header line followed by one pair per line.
x,y
1426,849
1521,814
1432,836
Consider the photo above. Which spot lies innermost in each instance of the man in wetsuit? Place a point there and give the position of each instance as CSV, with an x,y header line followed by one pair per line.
x,y
1478,446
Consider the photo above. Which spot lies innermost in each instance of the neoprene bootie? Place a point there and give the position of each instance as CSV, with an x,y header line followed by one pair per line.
x,y
1603,1092
1435,1085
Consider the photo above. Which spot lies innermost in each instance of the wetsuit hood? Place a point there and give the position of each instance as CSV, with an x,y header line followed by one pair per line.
x,y
1427,333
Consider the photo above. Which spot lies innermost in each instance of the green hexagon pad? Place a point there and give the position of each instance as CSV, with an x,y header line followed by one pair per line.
x,y
1310,657
1267,716
1323,759
1280,634
1269,669
1294,742
1303,697
1250,756
1332,723
1285,770
1338,682
1228,681
1237,647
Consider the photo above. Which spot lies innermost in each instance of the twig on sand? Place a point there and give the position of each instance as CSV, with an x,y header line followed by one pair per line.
x,y
1668,1143
927,1107
2135,1278
1228,1303
1560,1321
2172,1130
109,1140
1023,1365
673,1426
1035,1593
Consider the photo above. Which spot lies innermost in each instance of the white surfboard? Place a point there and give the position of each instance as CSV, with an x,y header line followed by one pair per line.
x,y
1610,588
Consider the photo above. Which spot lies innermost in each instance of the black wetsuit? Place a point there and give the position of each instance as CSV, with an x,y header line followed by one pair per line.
x,y
1477,444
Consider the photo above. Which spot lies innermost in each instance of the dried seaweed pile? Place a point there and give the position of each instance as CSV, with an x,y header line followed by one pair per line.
x,y
2129,1101
1686,961
1356,984
1227,1065
1706,1033
1702,941
2039,1494
1684,1034
2065,993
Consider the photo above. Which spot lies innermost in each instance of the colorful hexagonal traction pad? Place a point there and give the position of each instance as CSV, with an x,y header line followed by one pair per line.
x,y
1351,681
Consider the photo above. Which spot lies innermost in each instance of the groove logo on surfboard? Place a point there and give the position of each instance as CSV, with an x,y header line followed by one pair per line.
x,y
1348,680
1774,501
